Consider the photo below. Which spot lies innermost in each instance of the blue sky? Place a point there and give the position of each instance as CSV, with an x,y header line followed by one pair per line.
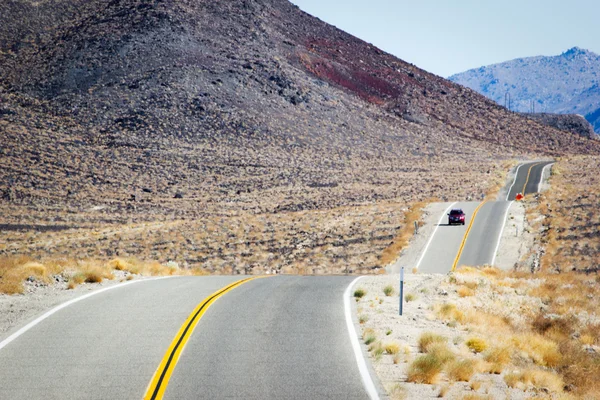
x,y
450,36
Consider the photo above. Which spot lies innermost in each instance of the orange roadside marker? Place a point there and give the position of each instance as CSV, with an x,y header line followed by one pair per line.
x,y
519,196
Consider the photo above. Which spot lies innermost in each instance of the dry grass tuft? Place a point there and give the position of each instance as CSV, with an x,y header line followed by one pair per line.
x,y
397,392
429,338
542,351
392,348
441,351
497,358
388,290
465,291
449,312
425,369
461,369
535,377
476,344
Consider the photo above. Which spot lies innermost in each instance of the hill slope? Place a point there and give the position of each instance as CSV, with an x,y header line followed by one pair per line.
x,y
124,111
564,84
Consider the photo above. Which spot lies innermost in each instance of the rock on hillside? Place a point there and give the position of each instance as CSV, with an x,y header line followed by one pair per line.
x,y
564,84
565,122
248,104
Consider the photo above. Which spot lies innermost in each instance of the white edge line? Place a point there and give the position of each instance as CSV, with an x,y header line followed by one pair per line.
x,y
433,234
36,321
542,176
514,181
501,232
360,360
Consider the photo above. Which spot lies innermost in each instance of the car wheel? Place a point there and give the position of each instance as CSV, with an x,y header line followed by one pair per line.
x,y
463,223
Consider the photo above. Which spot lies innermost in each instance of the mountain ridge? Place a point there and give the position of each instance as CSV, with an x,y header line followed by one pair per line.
x,y
562,84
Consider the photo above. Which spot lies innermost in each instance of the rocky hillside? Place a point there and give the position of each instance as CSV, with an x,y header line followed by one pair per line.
x,y
565,122
564,84
152,108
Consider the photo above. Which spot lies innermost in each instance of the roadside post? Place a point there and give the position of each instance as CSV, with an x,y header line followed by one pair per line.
x,y
401,288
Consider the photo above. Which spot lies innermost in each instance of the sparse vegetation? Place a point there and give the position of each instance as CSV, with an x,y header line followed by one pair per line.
x,y
425,369
429,338
15,271
392,348
359,293
388,290
460,369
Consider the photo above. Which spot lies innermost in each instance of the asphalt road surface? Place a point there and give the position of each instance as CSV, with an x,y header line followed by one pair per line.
x,y
479,247
277,337
527,179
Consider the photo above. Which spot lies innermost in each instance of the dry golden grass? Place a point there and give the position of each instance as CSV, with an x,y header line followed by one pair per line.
x,y
464,291
449,312
497,358
391,253
392,348
14,271
460,369
429,338
537,378
425,369
542,351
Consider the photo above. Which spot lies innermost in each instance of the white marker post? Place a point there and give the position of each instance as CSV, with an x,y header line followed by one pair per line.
x,y
401,288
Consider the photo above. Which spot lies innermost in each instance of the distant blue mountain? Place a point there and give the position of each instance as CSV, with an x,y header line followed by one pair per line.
x,y
564,84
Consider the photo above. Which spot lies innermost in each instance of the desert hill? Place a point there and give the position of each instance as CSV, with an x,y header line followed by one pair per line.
x,y
126,111
562,84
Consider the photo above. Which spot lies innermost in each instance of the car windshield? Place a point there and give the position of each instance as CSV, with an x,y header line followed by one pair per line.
x,y
456,212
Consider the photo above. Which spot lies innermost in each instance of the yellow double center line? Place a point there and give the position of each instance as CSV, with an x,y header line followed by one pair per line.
x,y
160,380
527,180
462,245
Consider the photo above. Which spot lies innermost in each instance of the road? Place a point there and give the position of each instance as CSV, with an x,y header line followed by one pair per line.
x,y
277,337
444,251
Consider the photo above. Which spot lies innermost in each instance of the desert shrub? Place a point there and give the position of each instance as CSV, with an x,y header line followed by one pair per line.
x,y
409,297
476,345
461,369
392,348
541,350
425,369
359,293
497,357
441,351
538,378
388,290
370,339
428,338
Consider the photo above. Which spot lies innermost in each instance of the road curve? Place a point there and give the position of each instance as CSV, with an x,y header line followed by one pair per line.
x,y
279,337
527,178
104,347
480,244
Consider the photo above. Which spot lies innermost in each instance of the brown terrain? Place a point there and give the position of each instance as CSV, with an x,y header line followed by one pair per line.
x,y
237,136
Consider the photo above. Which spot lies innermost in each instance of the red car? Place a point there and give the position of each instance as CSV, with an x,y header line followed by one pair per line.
x,y
456,216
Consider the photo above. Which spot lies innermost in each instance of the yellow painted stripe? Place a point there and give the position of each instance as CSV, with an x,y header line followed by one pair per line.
x,y
527,180
160,380
462,245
